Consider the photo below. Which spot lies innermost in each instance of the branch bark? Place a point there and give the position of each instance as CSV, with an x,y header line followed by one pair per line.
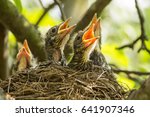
x,y
21,28
143,37
3,52
75,9
63,16
143,93
130,72
44,13
96,7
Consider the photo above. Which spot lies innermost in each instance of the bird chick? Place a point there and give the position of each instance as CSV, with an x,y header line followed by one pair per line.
x,y
84,45
55,41
24,57
96,56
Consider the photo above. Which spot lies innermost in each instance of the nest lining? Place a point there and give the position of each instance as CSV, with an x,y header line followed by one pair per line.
x,y
50,81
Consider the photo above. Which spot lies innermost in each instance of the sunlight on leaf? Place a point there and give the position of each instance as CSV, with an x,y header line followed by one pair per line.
x,y
33,15
125,82
115,56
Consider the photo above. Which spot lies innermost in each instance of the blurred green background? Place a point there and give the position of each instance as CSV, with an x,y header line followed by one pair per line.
x,y
120,25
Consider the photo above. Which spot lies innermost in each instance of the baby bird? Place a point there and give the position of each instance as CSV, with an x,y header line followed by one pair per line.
x,y
55,41
84,45
96,56
24,58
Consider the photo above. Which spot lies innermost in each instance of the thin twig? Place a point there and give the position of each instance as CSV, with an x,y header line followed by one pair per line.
x,y
63,16
137,80
8,89
130,72
40,1
44,13
142,37
81,82
97,7
130,45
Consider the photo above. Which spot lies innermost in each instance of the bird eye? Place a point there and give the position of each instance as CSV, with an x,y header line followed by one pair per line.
x,y
54,30
78,38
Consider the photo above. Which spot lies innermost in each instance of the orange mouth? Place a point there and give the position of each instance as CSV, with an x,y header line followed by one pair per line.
x,y
23,53
88,37
97,23
94,19
65,29
26,46
64,25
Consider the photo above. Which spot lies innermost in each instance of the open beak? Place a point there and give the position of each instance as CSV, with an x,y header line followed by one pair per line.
x,y
64,25
26,46
94,19
65,29
23,53
97,28
88,37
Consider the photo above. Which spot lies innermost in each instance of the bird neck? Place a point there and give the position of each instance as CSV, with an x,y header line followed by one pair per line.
x,y
98,47
78,60
63,43
22,64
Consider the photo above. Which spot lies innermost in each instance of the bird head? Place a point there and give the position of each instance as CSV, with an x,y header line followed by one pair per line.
x,y
24,57
85,42
57,35
97,27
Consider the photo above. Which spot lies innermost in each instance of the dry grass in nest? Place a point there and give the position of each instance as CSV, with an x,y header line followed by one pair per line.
x,y
51,81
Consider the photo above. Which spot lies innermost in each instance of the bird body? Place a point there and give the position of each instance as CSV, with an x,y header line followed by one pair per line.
x,y
96,56
84,45
22,64
55,41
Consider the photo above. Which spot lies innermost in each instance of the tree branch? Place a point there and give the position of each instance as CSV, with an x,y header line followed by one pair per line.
x,y
143,37
63,16
40,1
3,52
96,7
56,2
44,13
130,72
132,75
141,94
21,28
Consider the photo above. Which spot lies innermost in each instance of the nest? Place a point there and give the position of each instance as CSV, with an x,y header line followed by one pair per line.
x,y
49,81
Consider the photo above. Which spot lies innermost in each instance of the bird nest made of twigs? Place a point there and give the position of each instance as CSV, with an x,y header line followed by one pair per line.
x,y
52,81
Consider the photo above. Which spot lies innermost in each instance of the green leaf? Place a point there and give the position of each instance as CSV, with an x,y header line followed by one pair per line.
x,y
18,4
